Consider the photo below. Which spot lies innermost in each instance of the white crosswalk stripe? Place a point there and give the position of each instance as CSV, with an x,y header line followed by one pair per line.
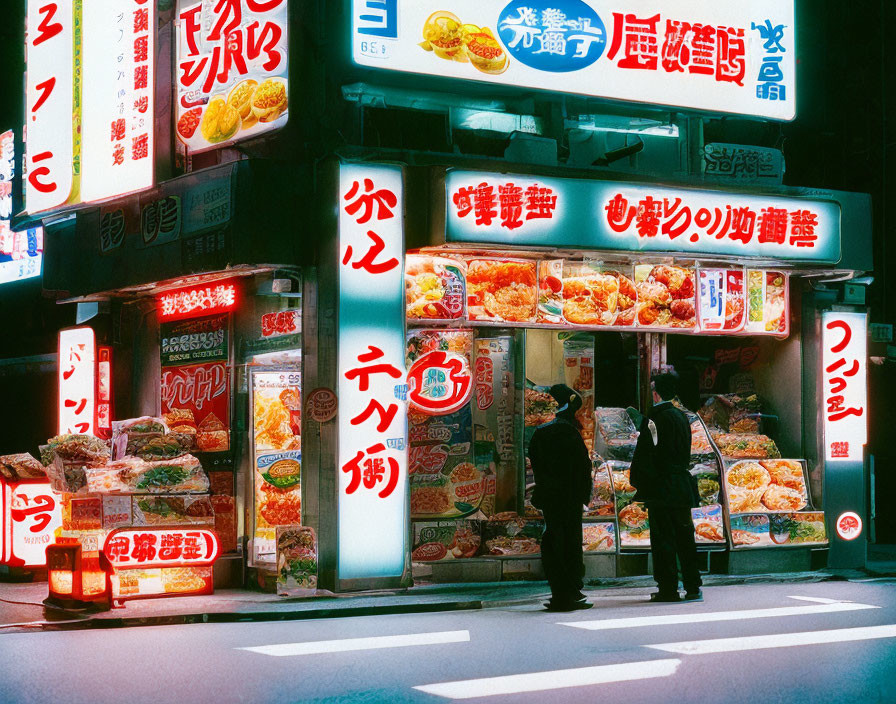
x,y
351,644
778,640
552,680
740,615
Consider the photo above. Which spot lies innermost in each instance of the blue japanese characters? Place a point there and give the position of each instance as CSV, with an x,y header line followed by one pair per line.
x,y
557,36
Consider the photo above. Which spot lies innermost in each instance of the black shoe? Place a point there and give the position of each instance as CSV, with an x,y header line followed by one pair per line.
x,y
661,597
693,596
567,606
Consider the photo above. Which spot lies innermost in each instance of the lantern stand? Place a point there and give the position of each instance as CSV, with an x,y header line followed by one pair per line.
x,y
73,584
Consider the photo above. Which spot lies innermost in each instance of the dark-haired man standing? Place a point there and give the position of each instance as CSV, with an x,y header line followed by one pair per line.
x,y
660,474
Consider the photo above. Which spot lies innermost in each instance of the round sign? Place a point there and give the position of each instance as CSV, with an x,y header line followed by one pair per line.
x,y
439,383
321,405
849,526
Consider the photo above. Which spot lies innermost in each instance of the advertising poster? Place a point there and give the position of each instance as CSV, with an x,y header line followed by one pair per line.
x,y
296,561
199,395
186,342
446,540
722,57
768,307
232,71
512,537
436,288
599,537
766,486
722,299
708,526
494,415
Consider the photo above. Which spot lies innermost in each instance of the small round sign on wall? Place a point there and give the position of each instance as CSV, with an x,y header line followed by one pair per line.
x,y
321,405
849,525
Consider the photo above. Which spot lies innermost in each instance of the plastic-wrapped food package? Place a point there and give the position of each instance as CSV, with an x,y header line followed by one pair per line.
x,y
616,435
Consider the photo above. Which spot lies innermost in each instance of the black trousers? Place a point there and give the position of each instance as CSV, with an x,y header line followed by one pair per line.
x,y
671,536
561,552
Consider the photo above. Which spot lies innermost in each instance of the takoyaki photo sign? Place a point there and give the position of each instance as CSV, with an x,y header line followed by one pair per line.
x,y
715,55
232,71
510,209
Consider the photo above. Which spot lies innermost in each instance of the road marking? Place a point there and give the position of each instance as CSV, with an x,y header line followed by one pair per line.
x,y
780,640
553,679
684,617
349,644
820,600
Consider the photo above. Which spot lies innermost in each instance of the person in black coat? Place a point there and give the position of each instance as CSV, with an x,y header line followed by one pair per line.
x,y
562,468
660,474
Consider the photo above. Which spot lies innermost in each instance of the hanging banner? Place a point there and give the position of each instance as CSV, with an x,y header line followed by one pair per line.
x,y
232,71
701,54
90,109
844,385
507,209
372,390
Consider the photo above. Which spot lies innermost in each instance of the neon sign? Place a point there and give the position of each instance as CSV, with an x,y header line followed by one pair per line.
x,y
844,385
132,548
200,300
77,381
29,515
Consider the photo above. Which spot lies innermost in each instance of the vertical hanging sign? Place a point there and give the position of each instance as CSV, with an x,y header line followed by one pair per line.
x,y
89,92
50,115
372,389
77,381
117,143
844,385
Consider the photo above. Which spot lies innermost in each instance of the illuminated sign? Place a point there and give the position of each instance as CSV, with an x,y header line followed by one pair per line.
x,y
29,516
198,395
77,381
232,71
117,143
131,548
560,212
51,104
700,54
844,385
849,525
284,322
439,383
89,100
104,392
21,253
199,300
372,457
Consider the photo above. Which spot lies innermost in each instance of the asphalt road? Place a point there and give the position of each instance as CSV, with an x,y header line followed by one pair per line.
x,y
818,642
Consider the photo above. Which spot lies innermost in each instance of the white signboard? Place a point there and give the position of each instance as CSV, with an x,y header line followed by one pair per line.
x,y
77,381
49,104
34,513
715,55
89,91
117,126
372,389
845,385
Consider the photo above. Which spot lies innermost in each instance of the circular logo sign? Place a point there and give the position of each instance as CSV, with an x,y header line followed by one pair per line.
x,y
439,383
557,36
849,526
321,405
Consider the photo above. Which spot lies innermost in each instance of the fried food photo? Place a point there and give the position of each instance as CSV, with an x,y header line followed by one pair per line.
x,y
484,51
444,36
501,290
269,100
220,121
748,475
633,516
780,498
787,473
708,531
591,299
240,98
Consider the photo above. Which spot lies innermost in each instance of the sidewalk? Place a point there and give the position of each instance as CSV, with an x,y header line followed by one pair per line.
x,y
21,607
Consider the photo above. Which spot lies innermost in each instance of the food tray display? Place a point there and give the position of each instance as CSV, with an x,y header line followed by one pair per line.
x,y
616,436
746,446
603,501
512,536
765,486
733,413
634,526
446,540
435,288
